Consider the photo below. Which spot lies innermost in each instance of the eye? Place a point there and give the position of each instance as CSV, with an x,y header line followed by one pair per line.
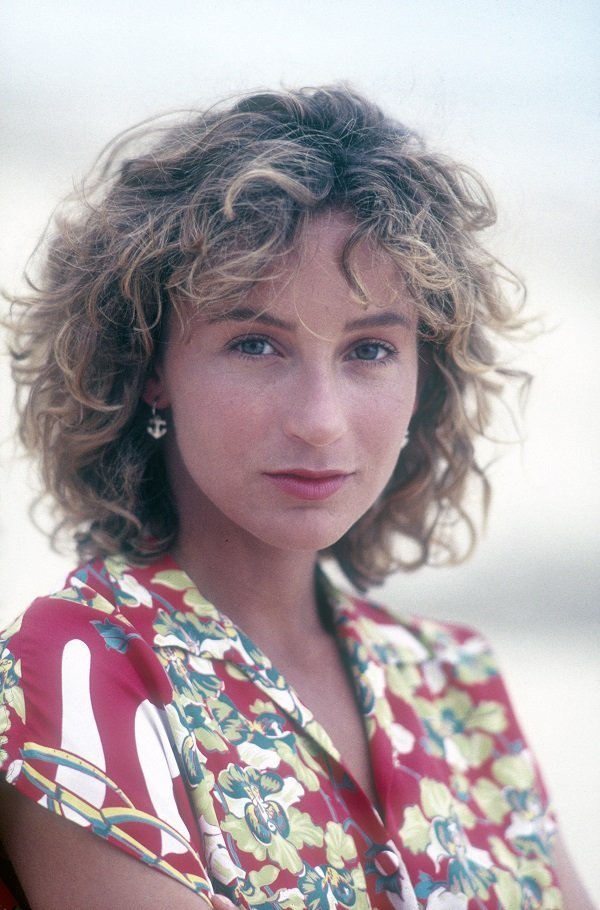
x,y
371,351
253,346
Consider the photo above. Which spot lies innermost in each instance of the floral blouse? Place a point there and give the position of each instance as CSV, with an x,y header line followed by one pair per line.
x,y
133,707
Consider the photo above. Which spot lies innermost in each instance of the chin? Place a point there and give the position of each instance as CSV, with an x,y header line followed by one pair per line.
x,y
310,539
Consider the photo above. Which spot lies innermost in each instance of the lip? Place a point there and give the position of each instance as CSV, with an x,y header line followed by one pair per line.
x,y
309,485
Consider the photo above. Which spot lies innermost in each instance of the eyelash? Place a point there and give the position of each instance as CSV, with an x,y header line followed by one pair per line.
x,y
236,345
390,350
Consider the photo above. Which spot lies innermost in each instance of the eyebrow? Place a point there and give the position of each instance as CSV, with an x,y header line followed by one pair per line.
x,y
370,320
247,314
374,320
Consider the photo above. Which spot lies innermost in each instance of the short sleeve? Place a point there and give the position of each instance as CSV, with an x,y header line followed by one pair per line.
x,y
84,732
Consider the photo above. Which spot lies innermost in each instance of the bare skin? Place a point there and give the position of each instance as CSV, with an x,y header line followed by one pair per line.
x,y
299,647
248,399
316,383
62,866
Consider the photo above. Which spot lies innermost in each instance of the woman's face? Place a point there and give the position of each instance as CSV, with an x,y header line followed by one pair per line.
x,y
287,415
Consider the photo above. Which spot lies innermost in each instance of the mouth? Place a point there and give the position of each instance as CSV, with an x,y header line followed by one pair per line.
x,y
309,485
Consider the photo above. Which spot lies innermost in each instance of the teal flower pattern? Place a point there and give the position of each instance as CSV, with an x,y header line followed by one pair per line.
x,y
196,756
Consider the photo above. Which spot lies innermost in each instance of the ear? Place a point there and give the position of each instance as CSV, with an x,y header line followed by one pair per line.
x,y
155,392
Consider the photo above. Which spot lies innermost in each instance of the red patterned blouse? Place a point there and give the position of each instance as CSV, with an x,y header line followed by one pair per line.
x,y
133,707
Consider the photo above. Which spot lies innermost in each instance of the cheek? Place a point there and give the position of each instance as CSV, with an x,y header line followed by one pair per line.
x,y
388,412
384,433
215,415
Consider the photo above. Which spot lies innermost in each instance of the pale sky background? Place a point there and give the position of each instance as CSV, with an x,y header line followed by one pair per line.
x,y
509,86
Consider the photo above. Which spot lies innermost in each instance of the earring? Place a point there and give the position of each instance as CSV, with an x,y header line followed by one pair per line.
x,y
157,425
405,441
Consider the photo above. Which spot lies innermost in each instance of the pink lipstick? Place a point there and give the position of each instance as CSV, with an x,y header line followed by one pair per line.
x,y
309,485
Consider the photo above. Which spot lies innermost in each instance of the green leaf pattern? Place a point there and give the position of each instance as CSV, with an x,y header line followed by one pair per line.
x,y
267,788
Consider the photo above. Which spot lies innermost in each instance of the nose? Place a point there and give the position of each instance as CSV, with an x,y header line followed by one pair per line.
x,y
317,408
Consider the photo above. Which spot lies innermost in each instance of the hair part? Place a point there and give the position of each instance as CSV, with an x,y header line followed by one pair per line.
x,y
194,221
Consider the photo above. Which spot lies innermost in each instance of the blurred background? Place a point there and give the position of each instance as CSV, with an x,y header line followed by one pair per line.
x,y
509,87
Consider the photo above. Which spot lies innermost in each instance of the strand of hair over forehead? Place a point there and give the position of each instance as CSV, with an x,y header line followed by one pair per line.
x,y
427,268
197,217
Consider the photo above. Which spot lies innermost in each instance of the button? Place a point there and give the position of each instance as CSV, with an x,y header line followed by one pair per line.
x,y
387,862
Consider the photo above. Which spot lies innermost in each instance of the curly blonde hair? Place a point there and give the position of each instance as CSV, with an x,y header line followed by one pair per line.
x,y
190,222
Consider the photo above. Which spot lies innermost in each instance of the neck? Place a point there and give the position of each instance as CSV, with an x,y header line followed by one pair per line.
x,y
269,593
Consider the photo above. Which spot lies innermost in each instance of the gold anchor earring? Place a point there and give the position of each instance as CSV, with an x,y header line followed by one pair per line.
x,y
157,425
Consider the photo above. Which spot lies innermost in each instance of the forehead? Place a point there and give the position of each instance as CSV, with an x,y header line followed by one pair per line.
x,y
327,270
330,262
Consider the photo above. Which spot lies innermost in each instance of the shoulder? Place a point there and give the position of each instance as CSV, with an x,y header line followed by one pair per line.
x,y
95,636
428,639
109,597
37,637
84,710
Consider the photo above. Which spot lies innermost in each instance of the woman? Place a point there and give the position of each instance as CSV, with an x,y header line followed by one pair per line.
x,y
264,341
